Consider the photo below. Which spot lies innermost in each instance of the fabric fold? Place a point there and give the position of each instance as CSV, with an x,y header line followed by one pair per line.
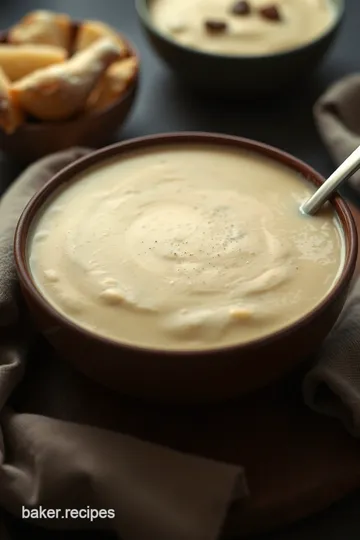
x,y
337,117
332,386
152,490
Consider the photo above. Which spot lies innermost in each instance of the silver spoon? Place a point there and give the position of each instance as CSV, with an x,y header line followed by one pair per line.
x,y
344,172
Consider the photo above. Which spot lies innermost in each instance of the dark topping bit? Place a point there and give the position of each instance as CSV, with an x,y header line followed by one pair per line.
x,y
241,8
270,12
215,27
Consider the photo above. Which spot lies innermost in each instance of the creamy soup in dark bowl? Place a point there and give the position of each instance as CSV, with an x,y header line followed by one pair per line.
x,y
187,252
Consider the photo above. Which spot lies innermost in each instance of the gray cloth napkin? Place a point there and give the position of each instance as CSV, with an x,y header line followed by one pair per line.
x,y
337,116
156,492
332,387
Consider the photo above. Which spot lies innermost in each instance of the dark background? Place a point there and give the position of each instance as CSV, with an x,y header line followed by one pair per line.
x,y
163,106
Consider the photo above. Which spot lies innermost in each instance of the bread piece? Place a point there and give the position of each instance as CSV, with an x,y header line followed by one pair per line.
x,y
59,92
10,115
17,61
113,84
91,31
43,27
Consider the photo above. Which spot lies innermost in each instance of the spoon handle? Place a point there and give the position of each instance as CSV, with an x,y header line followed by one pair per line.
x,y
345,171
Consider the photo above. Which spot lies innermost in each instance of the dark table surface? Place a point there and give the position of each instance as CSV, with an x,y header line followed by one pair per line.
x,y
286,122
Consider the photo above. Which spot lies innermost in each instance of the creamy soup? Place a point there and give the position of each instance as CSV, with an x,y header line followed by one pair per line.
x,y
249,27
187,247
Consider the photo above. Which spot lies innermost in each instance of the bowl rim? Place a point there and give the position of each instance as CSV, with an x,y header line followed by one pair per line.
x,y
97,157
36,126
143,13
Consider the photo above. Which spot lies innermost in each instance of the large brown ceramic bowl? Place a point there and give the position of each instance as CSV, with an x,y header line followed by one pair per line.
x,y
34,140
183,376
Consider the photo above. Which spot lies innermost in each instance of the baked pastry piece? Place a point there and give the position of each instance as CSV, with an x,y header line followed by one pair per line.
x,y
17,61
10,114
113,84
42,27
91,31
58,92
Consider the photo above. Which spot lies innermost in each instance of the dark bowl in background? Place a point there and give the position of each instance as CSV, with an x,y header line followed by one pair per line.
x,y
191,376
34,140
239,75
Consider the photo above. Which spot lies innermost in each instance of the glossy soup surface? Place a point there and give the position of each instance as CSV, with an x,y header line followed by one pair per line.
x,y
185,247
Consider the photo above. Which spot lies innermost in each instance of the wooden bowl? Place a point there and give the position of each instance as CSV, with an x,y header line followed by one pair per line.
x,y
191,376
34,140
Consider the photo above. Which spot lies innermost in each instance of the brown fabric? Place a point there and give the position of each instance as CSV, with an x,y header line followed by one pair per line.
x,y
333,386
60,458
337,116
